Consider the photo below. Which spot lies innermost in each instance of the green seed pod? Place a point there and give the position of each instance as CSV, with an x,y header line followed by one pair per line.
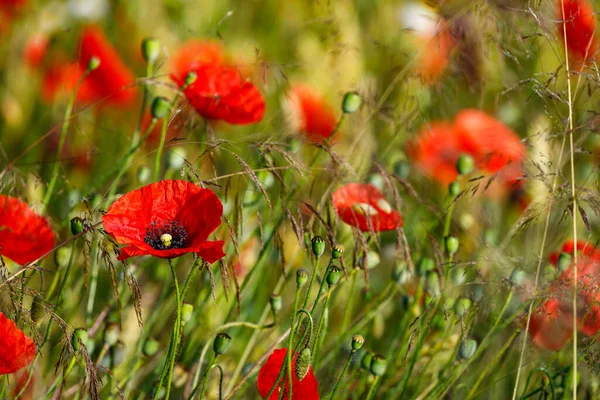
x,y
221,344
366,360
93,64
80,337
432,284
302,365
337,251
186,312
454,189
467,349
318,246
76,225
151,347
477,293
465,164
112,334
425,265
190,78
150,49
351,102
451,243
517,277
301,277
160,107
334,276
357,342
564,261
402,169
378,365
62,255
276,302
462,306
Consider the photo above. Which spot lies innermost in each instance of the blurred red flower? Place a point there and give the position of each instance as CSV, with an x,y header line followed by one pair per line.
x,y
28,392
306,389
166,219
363,206
548,327
24,235
435,55
195,54
35,50
308,113
579,22
16,349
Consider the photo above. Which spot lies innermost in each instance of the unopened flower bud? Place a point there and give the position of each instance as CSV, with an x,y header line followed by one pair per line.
x,y
186,312
425,265
301,277
378,365
80,337
334,275
467,349
221,344
76,225
93,64
451,243
465,164
351,102
365,363
357,342
564,261
462,306
337,251
190,78
432,284
150,49
111,334
151,347
302,365
62,255
454,189
37,309
160,107
517,277
276,302
318,246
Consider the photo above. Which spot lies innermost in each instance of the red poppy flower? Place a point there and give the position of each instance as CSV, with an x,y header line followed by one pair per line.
x,y
24,235
435,55
166,219
363,206
16,349
579,22
195,54
35,50
308,113
548,327
306,389
28,392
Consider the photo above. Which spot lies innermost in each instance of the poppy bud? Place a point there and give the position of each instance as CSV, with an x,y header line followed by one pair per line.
x,y
186,312
465,164
302,365
467,349
351,102
144,174
37,310
462,306
517,277
334,276
564,261
93,64
378,365
160,107
301,277
111,334
337,251
402,169
80,336
357,342
150,347
365,363
451,244
425,265
150,49
76,225
62,256
221,344
190,78
454,189
432,284
318,246
276,303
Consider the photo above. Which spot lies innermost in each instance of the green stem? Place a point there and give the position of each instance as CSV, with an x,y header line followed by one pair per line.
x,y
205,377
341,377
373,388
312,281
322,284
316,346
291,343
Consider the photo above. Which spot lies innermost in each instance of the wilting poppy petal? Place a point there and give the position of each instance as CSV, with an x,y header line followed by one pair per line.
x,y
306,389
309,114
166,219
579,22
363,206
16,349
24,235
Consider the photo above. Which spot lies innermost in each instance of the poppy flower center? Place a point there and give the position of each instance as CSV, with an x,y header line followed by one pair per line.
x,y
163,235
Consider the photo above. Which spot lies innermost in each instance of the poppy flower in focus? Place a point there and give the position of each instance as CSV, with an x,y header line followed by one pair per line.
x,y
548,327
166,219
17,350
363,206
305,389
24,235
579,24
308,113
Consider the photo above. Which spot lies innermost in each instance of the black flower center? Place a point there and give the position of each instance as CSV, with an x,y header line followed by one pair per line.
x,y
163,235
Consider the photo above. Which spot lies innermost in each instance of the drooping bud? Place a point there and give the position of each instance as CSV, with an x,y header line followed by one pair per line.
x,y
425,265
465,164
357,342
186,312
337,251
564,261
318,246
303,362
151,347
451,243
351,102
467,349
76,225
301,277
334,276
150,49
462,306
378,365
80,337
454,189
365,363
276,302
93,64
221,344
160,107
